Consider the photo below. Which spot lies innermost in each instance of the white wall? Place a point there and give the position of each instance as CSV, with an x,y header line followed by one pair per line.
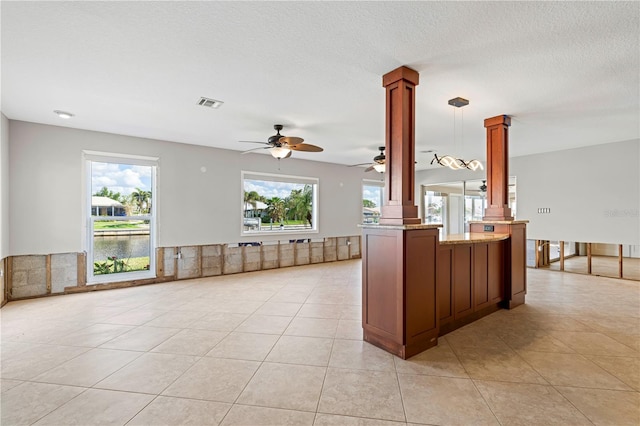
x,y
194,208
4,186
4,197
593,192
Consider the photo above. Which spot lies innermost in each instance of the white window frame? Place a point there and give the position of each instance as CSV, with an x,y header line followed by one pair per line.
x,y
88,220
371,182
315,182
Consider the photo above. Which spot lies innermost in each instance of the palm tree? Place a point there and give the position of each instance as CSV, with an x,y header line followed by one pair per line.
x,y
251,198
142,199
303,204
276,208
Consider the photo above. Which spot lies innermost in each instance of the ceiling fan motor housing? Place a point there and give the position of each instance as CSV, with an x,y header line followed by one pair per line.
x,y
273,140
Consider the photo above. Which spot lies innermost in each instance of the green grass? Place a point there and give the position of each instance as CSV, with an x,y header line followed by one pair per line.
x,y
118,225
130,265
287,222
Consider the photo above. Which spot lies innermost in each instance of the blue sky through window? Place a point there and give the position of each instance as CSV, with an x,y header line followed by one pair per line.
x,y
122,178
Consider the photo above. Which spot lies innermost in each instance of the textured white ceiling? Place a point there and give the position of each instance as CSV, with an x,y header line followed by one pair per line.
x,y
567,72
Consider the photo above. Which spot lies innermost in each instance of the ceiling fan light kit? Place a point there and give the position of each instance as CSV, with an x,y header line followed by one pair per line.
x,y
452,162
380,168
378,164
280,152
281,147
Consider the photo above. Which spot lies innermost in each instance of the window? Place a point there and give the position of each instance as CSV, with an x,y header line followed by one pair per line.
x,y
372,199
120,217
278,204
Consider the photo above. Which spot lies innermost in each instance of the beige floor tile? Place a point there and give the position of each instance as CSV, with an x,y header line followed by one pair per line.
x,y
176,319
37,360
237,306
359,355
628,339
571,370
247,346
97,406
443,401
561,316
94,335
533,340
28,402
335,420
528,404
362,393
265,324
220,321
315,310
312,327
34,331
549,322
437,361
150,373
349,329
605,407
289,386
351,312
593,343
301,350
6,384
168,411
290,296
243,415
191,342
335,295
497,364
137,316
88,368
625,369
279,309
214,379
477,337
140,339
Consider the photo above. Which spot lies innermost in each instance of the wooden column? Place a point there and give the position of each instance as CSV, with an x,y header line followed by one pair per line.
x,y
497,168
399,206
399,304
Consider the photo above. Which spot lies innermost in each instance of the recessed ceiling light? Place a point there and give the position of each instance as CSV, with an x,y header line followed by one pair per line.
x,y
209,103
63,114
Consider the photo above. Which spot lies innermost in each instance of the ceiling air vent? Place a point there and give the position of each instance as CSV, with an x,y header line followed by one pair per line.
x,y
209,103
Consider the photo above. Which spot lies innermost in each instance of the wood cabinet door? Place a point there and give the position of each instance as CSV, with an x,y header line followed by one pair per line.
x,y
480,275
462,276
445,284
496,271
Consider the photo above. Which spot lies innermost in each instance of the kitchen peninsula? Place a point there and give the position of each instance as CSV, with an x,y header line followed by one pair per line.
x,y
436,286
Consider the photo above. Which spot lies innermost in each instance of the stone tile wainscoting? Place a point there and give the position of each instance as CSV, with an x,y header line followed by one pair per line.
x,y
40,275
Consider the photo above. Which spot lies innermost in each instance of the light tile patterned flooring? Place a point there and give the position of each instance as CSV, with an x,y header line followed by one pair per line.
x,y
285,347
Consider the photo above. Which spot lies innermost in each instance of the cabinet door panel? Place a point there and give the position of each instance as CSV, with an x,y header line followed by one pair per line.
x,y
445,284
480,282
496,272
463,297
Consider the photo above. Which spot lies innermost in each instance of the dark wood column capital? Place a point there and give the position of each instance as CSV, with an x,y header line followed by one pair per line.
x,y
498,168
399,206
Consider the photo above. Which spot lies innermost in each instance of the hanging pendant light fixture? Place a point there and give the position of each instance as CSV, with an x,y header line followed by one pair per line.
x,y
450,161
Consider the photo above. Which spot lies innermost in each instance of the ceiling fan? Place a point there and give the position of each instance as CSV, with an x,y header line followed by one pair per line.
x,y
378,163
281,146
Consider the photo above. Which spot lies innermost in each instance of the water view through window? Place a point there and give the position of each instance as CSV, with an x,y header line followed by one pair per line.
x,y
121,220
275,203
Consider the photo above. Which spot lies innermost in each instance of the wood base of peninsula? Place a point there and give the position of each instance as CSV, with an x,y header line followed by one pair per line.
x,y
399,312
